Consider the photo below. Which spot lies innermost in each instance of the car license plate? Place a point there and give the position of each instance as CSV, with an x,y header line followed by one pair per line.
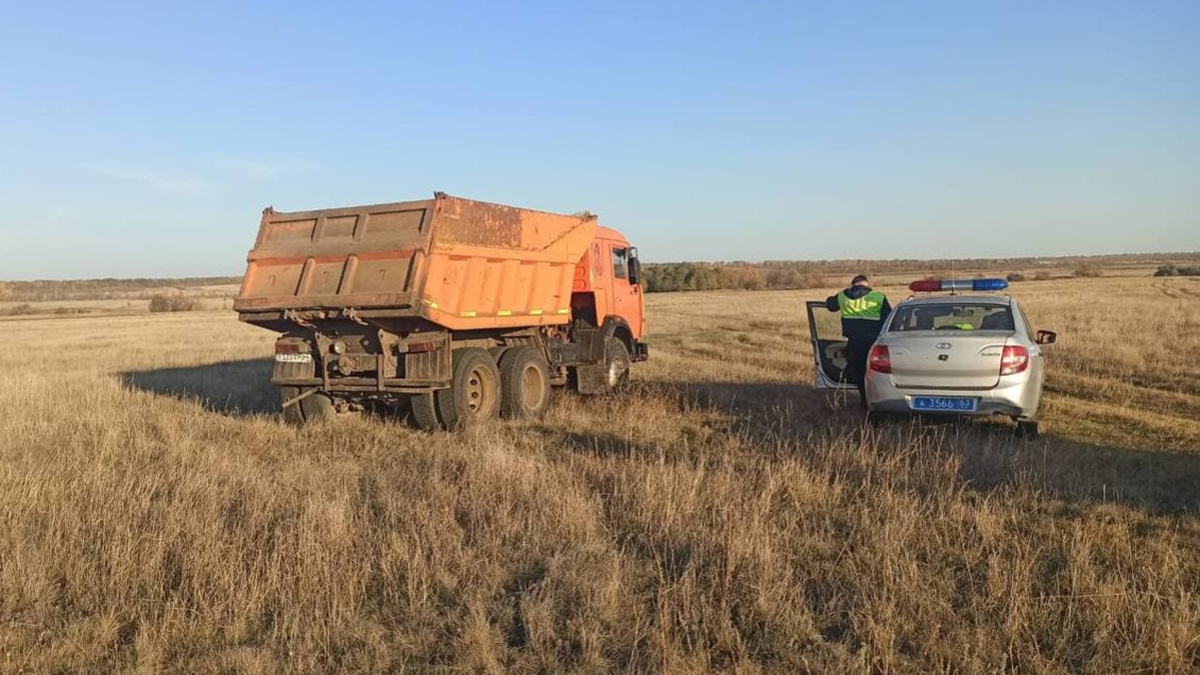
x,y
944,403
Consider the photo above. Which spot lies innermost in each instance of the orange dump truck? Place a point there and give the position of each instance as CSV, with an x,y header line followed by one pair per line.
x,y
456,309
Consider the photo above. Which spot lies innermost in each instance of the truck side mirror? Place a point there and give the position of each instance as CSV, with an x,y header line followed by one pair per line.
x,y
1046,337
635,271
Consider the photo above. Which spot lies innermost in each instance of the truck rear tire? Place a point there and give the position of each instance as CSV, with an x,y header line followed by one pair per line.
x,y
474,393
616,363
424,412
311,409
524,382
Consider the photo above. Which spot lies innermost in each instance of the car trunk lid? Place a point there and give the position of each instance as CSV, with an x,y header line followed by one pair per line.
x,y
937,360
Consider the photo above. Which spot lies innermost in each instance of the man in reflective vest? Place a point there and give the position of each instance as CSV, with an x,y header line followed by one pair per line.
x,y
863,312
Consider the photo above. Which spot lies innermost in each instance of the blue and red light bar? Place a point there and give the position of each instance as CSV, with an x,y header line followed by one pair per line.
x,y
935,285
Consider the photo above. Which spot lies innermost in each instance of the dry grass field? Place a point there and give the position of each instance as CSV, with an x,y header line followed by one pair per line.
x,y
721,516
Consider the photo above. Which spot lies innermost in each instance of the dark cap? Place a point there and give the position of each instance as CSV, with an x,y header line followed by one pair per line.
x,y
862,278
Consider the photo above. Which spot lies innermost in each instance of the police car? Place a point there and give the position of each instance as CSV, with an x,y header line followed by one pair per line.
x,y
965,352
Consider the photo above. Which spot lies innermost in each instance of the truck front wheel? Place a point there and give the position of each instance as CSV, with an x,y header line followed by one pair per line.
x,y
315,407
524,382
474,393
616,363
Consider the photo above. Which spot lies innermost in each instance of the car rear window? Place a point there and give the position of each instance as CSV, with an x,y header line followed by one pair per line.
x,y
949,316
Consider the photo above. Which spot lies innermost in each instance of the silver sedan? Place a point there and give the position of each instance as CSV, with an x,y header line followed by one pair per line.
x,y
949,355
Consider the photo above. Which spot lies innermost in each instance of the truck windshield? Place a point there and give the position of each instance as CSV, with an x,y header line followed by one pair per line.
x,y
949,316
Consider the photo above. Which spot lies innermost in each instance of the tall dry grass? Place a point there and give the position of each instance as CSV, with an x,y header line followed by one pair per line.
x,y
720,517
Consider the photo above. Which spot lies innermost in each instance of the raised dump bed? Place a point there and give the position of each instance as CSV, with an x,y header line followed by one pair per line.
x,y
459,263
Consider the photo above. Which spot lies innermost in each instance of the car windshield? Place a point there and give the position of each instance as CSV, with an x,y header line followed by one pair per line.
x,y
951,316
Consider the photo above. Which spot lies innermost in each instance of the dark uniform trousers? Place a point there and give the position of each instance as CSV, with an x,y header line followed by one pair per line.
x,y
858,349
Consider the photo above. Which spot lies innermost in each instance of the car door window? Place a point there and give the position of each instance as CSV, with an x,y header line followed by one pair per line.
x,y
620,263
829,347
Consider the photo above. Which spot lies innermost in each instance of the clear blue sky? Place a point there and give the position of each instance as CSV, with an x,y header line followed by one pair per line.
x,y
141,140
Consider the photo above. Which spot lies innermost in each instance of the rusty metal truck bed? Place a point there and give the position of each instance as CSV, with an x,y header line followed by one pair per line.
x,y
458,263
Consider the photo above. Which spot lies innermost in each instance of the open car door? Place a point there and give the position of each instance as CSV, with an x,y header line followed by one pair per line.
x,y
829,347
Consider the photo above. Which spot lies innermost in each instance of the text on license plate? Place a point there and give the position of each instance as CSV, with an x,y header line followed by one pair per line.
x,y
294,358
944,403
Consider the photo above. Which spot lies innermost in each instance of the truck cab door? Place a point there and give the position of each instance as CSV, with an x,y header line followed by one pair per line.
x,y
627,296
829,347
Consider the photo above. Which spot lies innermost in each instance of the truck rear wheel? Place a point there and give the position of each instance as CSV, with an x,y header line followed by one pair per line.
x,y
474,393
524,382
316,407
424,412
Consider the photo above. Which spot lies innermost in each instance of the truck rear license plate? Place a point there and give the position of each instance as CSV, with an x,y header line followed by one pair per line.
x,y
944,403
293,358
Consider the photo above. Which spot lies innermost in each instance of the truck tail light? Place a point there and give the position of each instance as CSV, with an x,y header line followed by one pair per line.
x,y
282,347
292,351
1014,360
880,359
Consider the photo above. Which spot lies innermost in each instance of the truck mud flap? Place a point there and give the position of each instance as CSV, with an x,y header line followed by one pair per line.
x,y
641,352
427,358
591,379
592,341
589,344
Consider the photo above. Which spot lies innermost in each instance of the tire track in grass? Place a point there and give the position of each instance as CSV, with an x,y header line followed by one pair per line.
x,y
1164,288
1114,425
1129,395
1188,292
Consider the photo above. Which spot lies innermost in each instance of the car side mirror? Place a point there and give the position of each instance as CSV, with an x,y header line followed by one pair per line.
x,y
1046,337
635,271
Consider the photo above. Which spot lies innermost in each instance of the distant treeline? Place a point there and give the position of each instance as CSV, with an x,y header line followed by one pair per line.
x,y
790,275
938,265
679,276
708,277
1177,271
101,289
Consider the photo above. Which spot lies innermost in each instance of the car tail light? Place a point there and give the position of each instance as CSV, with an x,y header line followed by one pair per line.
x,y
880,360
1014,360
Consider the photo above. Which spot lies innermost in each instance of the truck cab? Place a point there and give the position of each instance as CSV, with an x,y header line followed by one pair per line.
x,y
608,288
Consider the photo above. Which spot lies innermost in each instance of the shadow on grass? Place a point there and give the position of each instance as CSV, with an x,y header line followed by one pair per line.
x,y
992,458
770,408
1160,481
596,442
236,388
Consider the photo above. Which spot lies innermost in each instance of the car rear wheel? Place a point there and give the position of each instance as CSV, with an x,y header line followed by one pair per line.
x,y
880,419
474,393
524,382
1027,429
313,408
